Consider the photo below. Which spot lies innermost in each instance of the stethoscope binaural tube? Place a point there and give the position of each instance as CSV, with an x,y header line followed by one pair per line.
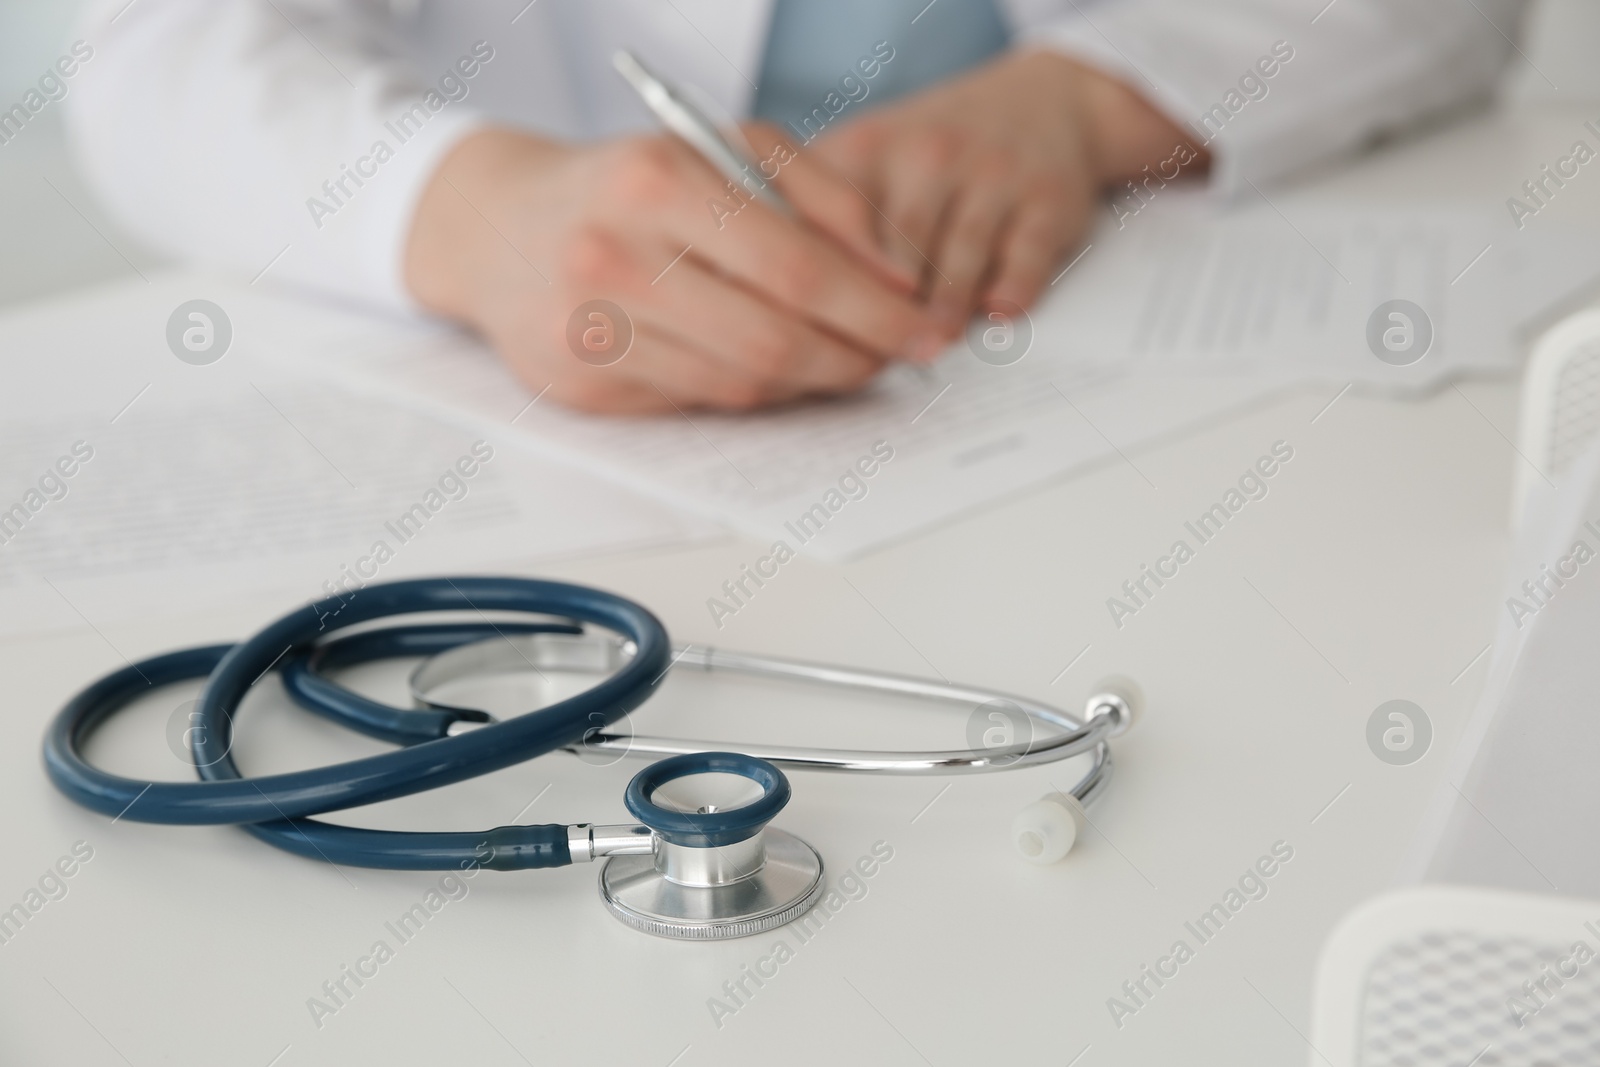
x,y
1049,733
274,807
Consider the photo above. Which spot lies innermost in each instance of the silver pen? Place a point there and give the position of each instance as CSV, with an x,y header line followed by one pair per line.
x,y
674,111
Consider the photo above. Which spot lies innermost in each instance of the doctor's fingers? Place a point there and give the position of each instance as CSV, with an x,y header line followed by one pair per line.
x,y
659,374
784,259
919,179
807,274
1042,231
969,236
753,337
657,190
687,298
828,198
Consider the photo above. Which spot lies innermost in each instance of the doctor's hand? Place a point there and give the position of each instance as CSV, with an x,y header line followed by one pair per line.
x,y
985,182
731,305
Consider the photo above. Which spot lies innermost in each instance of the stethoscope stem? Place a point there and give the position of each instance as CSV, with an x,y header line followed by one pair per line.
x,y
586,842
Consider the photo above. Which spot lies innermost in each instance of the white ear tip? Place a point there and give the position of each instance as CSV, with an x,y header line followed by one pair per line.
x,y
1045,830
1123,694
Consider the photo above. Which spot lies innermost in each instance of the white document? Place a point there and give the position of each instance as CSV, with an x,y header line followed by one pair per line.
x,y
1176,289
190,485
831,479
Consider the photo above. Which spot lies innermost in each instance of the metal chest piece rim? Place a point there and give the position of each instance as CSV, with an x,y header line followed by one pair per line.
x,y
787,884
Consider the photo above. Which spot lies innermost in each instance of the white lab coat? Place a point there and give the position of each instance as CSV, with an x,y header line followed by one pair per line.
x,y
210,127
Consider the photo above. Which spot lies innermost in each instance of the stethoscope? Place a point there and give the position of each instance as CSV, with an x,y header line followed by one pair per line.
x,y
700,863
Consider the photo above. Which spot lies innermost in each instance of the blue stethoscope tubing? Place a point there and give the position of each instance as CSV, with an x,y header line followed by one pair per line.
x,y
275,808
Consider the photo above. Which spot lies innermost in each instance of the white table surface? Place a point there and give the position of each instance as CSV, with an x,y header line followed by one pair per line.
x,y
1370,572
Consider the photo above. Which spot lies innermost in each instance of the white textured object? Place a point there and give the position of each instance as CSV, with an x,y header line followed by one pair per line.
x,y
1445,976
1560,414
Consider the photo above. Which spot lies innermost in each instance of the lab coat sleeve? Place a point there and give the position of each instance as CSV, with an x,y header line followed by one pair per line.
x,y
1359,69
253,132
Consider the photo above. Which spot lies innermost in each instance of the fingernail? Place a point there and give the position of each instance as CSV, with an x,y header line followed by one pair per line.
x,y
924,347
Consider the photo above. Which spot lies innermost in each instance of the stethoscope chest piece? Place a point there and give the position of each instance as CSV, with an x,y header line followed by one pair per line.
x,y
715,869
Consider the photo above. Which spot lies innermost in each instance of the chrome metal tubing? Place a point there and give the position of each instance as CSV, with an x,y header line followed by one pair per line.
x,y
587,842
599,652
1075,738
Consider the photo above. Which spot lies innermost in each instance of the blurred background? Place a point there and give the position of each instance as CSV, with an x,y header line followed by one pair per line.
x,y
56,238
